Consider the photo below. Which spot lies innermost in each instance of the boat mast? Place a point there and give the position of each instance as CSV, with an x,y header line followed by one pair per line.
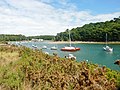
x,y
106,39
69,38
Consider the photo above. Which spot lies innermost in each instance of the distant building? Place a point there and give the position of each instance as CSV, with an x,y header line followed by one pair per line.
x,y
37,40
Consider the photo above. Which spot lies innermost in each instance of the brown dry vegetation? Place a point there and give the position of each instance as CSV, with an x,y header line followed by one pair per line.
x,y
8,54
34,70
7,57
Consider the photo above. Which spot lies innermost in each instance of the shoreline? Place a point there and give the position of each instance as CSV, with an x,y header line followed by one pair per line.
x,y
75,42
83,42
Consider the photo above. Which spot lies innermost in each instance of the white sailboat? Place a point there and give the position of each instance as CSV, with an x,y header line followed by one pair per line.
x,y
71,56
44,47
70,48
34,46
54,48
107,48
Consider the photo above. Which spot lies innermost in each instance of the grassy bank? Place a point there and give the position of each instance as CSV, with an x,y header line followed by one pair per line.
x,y
26,69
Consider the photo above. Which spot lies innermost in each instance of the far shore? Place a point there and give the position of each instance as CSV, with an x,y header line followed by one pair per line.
x,y
73,42
83,42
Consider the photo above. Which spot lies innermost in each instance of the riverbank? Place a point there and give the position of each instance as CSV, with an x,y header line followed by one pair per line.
x,y
83,42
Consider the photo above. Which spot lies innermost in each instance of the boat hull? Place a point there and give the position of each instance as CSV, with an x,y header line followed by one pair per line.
x,y
108,49
54,48
44,47
72,50
71,56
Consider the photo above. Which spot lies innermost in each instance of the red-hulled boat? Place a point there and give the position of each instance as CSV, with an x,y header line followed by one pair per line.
x,y
70,49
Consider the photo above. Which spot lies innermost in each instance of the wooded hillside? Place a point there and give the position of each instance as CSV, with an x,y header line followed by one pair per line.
x,y
93,32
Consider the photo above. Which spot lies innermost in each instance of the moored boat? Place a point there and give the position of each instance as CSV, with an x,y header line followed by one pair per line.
x,y
44,47
107,48
70,48
54,48
34,46
71,56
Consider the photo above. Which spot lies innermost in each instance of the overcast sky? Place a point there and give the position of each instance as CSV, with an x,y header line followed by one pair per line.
x,y
49,17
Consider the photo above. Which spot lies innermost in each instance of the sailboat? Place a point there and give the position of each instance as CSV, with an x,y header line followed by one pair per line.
x,y
54,48
44,47
70,48
71,56
34,46
107,48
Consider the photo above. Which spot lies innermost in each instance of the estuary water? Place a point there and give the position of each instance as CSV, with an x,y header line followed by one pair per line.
x,y
92,52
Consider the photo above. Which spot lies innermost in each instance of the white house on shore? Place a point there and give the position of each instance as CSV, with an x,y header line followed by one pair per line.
x,y
37,40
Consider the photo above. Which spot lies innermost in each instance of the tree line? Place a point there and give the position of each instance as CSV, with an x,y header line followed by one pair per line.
x,y
93,32
45,37
12,37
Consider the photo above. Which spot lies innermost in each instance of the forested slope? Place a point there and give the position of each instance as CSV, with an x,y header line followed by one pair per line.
x,y
93,32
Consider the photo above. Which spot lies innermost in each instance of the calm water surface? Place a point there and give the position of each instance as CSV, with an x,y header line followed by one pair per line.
x,y
92,52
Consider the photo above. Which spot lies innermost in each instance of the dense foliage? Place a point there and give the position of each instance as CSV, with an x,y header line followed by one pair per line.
x,y
7,37
93,32
45,37
35,70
